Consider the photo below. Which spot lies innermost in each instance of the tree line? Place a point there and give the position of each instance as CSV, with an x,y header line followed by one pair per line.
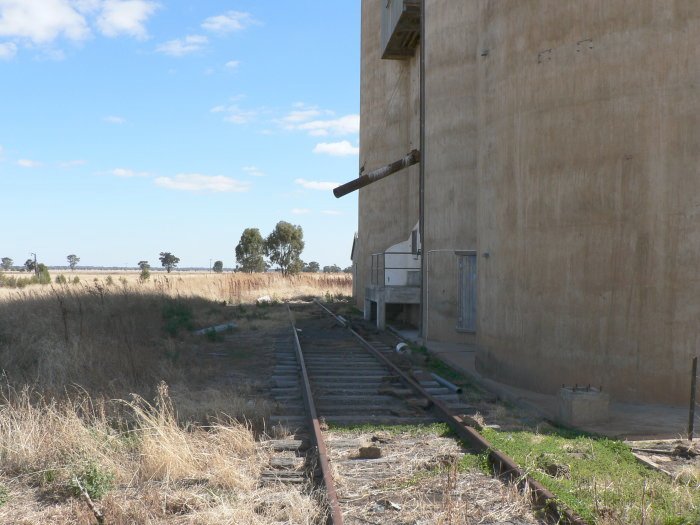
x,y
254,253
282,247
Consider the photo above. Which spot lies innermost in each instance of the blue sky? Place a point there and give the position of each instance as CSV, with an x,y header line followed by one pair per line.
x,y
131,127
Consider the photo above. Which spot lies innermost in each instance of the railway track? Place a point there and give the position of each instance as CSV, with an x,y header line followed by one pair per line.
x,y
326,374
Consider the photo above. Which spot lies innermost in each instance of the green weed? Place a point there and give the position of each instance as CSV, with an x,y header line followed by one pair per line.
x,y
96,481
598,477
177,316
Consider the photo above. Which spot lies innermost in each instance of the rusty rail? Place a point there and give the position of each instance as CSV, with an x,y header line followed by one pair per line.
x,y
505,465
336,516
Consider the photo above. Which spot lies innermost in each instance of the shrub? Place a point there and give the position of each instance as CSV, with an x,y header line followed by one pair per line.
x,y
43,276
177,316
61,279
95,480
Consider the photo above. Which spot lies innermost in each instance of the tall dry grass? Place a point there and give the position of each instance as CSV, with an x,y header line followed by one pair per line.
x,y
143,466
110,338
233,288
72,355
103,340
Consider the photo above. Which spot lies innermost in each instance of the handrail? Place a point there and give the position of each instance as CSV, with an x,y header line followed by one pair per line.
x,y
375,269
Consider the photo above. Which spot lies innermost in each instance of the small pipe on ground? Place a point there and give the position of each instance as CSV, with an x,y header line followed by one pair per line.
x,y
216,329
444,382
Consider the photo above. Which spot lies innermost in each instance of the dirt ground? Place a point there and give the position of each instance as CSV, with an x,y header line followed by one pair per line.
x,y
679,459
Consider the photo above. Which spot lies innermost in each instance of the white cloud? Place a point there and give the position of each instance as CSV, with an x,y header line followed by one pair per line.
x,y
253,171
125,17
113,119
337,149
297,116
26,163
235,114
41,21
8,50
232,64
127,173
87,6
301,211
331,212
316,185
197,182
228,22
347,125
183,46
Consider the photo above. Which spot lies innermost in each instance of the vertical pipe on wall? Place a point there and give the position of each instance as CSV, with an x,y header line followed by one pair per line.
x,y
421,176
693,391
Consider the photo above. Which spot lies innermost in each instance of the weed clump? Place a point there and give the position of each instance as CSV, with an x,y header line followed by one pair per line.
x,y
177,316
96,481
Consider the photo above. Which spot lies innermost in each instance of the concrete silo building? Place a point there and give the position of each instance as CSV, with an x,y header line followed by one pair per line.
x,y
561,186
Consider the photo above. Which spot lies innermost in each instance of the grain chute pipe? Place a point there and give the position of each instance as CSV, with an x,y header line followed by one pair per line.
x,y
378,174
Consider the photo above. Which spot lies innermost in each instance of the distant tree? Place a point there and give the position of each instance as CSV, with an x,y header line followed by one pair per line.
x,y
347,270
30,265
43,275
168,260
6,263
145,270
284,246
73,261
250,251
218,266
312,267
331,269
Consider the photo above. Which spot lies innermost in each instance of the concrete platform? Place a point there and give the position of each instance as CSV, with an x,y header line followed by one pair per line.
x,y
626,420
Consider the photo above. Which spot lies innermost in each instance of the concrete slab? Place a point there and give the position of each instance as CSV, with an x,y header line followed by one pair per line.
x,y
625,421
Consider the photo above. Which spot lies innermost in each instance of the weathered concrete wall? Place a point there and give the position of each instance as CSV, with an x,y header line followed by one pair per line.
x,y
389,111
450,157
563,138
589,195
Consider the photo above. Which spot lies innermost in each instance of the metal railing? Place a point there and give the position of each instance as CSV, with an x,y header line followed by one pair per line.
x,y
379,269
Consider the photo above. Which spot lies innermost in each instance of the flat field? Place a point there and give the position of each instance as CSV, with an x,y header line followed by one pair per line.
x,y
233,288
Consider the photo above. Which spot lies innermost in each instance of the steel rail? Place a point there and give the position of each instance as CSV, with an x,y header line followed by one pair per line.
x,y
506,466
336,516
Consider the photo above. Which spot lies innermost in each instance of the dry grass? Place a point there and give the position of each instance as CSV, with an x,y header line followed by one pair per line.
x,y
154,470
109,338
233,288
72,355
421,478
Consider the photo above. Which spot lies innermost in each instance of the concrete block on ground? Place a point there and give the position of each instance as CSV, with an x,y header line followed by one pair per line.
x,y
582,406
